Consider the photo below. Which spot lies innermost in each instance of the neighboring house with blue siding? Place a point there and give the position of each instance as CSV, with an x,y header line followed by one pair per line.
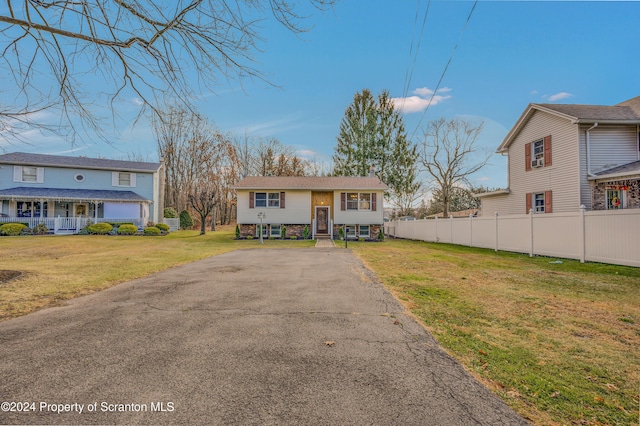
x,y
38,188
561,156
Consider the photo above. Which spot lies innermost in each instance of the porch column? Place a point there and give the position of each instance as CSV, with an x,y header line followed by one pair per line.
x,y
41,209
95,212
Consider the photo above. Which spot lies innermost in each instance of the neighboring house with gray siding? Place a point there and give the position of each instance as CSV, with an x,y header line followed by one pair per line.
x,y
323,204
37,187
561,156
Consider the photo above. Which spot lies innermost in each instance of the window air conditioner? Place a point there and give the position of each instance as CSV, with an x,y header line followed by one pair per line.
x,y
538,162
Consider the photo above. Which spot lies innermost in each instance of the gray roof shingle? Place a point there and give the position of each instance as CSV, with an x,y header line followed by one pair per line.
x,y
311,182
77,195
595,112
83,162
620,171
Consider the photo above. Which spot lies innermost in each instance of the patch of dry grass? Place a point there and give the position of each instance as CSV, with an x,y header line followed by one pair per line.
x,y
558,342
58,268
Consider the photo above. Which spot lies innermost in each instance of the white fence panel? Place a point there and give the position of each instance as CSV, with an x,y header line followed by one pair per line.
x,y
557,235
599,236
613,237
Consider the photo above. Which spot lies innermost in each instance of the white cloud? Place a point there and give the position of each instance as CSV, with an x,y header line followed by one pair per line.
x,y
421,99
560,96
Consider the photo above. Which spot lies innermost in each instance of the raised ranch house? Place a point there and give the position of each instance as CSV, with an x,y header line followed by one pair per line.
x,y
65,192
323,204
562,156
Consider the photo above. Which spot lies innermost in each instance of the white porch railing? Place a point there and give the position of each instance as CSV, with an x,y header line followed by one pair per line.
x,y
173,223
68,225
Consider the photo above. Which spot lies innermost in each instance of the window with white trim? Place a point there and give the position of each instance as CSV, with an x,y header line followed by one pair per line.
x,y
275,230
538,202
352,201
267,199
365,201
615,199
351,231
28,174
537,150
123,179
265,230
358,201
364,231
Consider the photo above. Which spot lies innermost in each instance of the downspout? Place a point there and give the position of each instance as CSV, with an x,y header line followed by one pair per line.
x,y
589,149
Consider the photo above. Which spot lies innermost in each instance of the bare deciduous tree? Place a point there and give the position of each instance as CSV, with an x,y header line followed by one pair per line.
x,y
139,50
449,155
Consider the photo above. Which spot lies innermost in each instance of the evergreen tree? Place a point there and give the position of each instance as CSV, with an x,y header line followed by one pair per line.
x,y
372,134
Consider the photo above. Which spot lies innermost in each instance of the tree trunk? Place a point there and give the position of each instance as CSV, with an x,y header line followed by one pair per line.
x,y
203,219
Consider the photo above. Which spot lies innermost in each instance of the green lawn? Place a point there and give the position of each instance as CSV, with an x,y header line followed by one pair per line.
x,y
57,268
558,342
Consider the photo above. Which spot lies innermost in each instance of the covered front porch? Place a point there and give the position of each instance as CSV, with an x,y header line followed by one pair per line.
x,y
67,211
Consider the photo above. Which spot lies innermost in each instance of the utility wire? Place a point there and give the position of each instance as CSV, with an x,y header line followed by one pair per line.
x,y
409,73
445,69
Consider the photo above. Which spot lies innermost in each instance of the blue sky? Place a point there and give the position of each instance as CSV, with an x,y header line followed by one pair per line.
x,y
510,54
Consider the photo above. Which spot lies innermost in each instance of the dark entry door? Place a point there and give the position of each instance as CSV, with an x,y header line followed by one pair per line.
x,y
322,220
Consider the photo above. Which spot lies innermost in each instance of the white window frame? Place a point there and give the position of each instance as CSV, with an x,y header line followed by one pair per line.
x,y
116,179
358,203
537,202
265,230
18,174
352,232
364,235
539,147
271,200
623,199
275,227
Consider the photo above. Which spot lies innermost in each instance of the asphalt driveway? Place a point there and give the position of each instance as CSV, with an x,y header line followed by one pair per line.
x,y
292,336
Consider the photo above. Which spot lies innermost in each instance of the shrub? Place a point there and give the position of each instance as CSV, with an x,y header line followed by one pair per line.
x,y
40,229
272,237
127,229
293,237
170,213
101,228
163,227
26,231
237,232
381,235
283,232
11,229
305,232
151,230
341,233
249,237
186,221
361,239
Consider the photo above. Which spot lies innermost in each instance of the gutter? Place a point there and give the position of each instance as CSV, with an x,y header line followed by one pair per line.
x,y
589,174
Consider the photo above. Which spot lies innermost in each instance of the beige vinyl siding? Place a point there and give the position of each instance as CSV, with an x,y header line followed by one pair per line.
x,y
562,177
352,217
297,208
497,203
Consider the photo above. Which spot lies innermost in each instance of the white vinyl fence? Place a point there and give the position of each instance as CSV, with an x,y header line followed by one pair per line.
x,y
598,236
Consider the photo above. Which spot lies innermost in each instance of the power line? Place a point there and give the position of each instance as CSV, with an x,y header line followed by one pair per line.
x,y
445,69
409,74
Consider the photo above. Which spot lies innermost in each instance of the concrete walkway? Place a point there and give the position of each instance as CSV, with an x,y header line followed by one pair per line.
x,y
290,336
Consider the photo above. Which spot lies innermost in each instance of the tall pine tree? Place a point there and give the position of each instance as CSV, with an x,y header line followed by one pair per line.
x,y
372,134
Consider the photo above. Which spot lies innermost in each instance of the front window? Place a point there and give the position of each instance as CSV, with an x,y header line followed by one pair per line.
x,y
124,179
31,209
29,174
538,202
352,201
274,200
538,150
351,231
365,201
614,199
365,231
268,199
275,230
265,230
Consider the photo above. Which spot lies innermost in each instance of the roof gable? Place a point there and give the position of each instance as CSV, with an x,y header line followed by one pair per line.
x,y
23,158
627,112
311,183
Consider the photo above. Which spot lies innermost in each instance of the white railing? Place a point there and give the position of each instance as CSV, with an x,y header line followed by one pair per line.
x,y
598,236
173,223
313,230
68,225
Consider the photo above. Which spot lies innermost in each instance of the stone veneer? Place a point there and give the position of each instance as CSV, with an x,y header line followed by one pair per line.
x,y
373,231
298,230
599,194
